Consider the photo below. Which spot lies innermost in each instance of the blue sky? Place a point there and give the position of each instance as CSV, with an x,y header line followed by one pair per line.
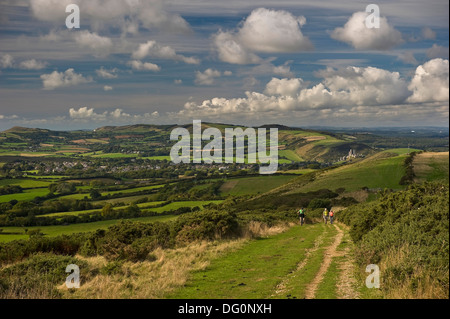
x,y
299,63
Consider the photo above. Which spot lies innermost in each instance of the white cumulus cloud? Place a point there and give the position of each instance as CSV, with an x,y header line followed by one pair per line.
x,y
81,113
430,82
107,74
99,44
289,87
356,34
32,65
230,50
63,79
265,31
85,114
143,66
273,31
207,77
129,15
6,61
155,50
340,90
366,86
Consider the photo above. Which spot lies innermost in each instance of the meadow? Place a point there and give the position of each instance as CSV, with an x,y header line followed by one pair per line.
x,y
378,171
150,206
431,166
27,195
15,233
254,185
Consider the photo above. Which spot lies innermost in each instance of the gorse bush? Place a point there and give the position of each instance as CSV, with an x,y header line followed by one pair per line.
x,y
319,203
408,233
206,225
17,250
134,241
37,276
285,202
127,240
131,241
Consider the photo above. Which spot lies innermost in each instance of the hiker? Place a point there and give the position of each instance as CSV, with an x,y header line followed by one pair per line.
x,y
325,215
331,216
301,215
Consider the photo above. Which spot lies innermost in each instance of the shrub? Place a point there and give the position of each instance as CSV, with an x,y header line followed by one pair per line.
x,y
408,233
344,201
62,245
37,276
206,225
112,268
319,203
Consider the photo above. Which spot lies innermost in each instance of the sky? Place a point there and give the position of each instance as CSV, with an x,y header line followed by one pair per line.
x,y
291,62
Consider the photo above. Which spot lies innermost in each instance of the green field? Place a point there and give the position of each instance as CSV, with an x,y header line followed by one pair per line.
x,y
124,191
379,171
401,151
52,231
125,199
132,190
51,178
80,212
431,167
24,183
254,185
143,206
24,154
115,155
176,205
158,158
290,155
75,196
27,195
298,171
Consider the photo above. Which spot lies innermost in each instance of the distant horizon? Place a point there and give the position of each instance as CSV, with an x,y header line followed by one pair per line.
x,y
313,127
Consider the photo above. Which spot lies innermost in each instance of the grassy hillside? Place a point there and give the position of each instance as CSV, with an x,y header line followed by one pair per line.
x,y
305,145
407,234
254,185
296,145
152,141
383,170
431,166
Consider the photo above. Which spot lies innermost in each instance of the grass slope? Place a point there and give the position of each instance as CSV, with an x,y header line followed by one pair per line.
x,y
383,170
254,185
431,166
255,270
